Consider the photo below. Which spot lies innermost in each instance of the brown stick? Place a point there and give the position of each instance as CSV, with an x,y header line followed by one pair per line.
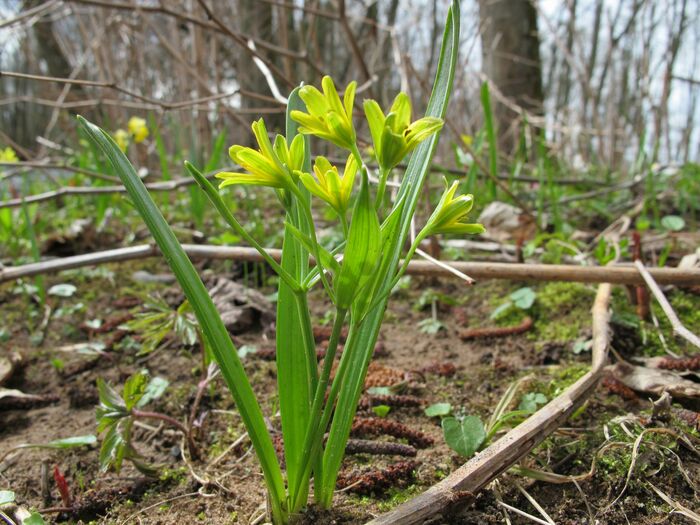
x,y
95,190
489,270
499,457
496,331
678,327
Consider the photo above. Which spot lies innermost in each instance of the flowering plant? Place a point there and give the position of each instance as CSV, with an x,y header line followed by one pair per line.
x,y
358,274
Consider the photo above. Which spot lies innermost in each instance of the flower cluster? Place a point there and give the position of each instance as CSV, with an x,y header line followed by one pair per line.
x,y
137,131
282,165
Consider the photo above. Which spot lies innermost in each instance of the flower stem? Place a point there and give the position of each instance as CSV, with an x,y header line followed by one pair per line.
x,y
314,433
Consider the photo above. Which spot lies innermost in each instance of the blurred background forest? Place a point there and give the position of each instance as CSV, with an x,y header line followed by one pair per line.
x,y
556,101
601,79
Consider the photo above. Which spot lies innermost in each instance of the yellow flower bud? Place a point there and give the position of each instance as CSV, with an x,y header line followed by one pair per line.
x,y
138,129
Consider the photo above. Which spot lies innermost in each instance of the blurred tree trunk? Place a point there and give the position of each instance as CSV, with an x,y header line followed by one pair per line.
x,y
48,49
255,19
511,60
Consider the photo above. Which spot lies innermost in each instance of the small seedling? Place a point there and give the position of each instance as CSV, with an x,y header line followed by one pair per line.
x,y
158,320
116,414
464,435
381,410
522,299
468,434
439,410
15,515
430,326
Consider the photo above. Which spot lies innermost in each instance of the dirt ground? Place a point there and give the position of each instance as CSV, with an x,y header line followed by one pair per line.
x,y
225,485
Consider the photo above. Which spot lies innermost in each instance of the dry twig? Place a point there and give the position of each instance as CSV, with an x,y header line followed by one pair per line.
x,y
678,327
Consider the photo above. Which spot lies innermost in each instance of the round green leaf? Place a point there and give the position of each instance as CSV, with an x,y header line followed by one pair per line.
x,y
523,298
438,410
465,436
673,223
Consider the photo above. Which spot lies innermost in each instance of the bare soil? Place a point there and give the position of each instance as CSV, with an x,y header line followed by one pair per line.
x,y
225,485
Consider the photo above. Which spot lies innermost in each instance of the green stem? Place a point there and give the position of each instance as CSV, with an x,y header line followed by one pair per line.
x,y
358,157
381,188
223,210
411,252
314,434
307,212
344,222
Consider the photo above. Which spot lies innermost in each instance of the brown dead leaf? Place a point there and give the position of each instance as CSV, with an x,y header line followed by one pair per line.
x,y
654,381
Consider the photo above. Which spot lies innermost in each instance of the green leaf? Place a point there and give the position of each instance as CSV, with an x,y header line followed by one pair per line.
x,y
362,250
209,319
6,496
465,436
114,445
296,351
109,397
327,258
381,410
673,223
379,391
154,389
350,375
72,442
34,519
134,389
438,410
523,298
62,290
531,401
490,126
501,310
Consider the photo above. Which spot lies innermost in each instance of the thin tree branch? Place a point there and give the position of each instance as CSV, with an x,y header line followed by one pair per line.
x,y
678,327
618,274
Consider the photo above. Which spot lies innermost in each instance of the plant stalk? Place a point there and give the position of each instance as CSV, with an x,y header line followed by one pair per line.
x,y
314,434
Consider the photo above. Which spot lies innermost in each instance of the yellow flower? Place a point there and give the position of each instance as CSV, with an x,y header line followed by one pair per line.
x,y
138,129
394,135
450,213
328,185
268,165
467,139
8,155
121,137
328,118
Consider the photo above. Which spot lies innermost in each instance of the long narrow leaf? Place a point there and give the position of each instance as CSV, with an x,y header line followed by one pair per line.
x,y
296,355
361,340
208,317
491,137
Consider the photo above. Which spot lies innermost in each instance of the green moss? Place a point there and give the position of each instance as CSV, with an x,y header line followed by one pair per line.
x,y
686,306
561,311
397,496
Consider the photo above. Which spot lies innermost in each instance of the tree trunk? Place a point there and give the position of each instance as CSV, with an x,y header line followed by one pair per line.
x,y
511,60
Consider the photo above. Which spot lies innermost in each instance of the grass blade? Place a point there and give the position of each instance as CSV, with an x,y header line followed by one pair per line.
x,y
491,138
361,340
208,317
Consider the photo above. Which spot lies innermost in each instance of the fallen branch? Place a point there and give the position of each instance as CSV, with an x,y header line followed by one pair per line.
x,y
499,457
678,327
481,270
94,190
496,331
